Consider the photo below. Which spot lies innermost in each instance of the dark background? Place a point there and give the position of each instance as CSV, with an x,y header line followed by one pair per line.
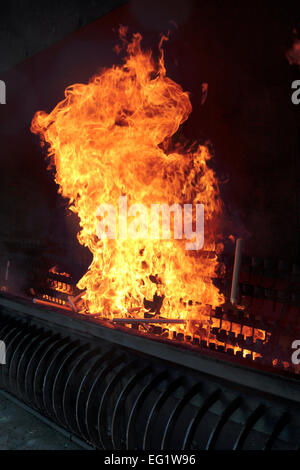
x,y
238,48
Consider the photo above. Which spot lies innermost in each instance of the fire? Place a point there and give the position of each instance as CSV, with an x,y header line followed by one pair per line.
x,y
113,137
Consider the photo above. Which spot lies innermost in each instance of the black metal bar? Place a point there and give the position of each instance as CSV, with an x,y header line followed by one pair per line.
x,y
60,378
31,368
83,389
159,402
69,392
248,426
102,426
6,338
191,429
103,394
275,385
27,352
90,408
116,434
279,426
41,368
176,412
138,404
14,361
9,347
229,410
50,375
92,404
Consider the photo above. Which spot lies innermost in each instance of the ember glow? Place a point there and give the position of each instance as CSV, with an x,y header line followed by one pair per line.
x,y
115,137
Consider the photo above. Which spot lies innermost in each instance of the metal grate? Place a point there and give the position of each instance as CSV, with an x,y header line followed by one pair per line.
x,y
115,398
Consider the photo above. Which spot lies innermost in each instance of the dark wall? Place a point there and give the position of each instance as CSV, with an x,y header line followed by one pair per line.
x,y
236,47
29,26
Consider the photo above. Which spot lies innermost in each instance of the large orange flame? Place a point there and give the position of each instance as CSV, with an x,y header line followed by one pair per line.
x,y
112,137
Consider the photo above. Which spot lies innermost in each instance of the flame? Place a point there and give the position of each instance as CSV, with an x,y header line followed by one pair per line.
x,y
55,270
115,136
